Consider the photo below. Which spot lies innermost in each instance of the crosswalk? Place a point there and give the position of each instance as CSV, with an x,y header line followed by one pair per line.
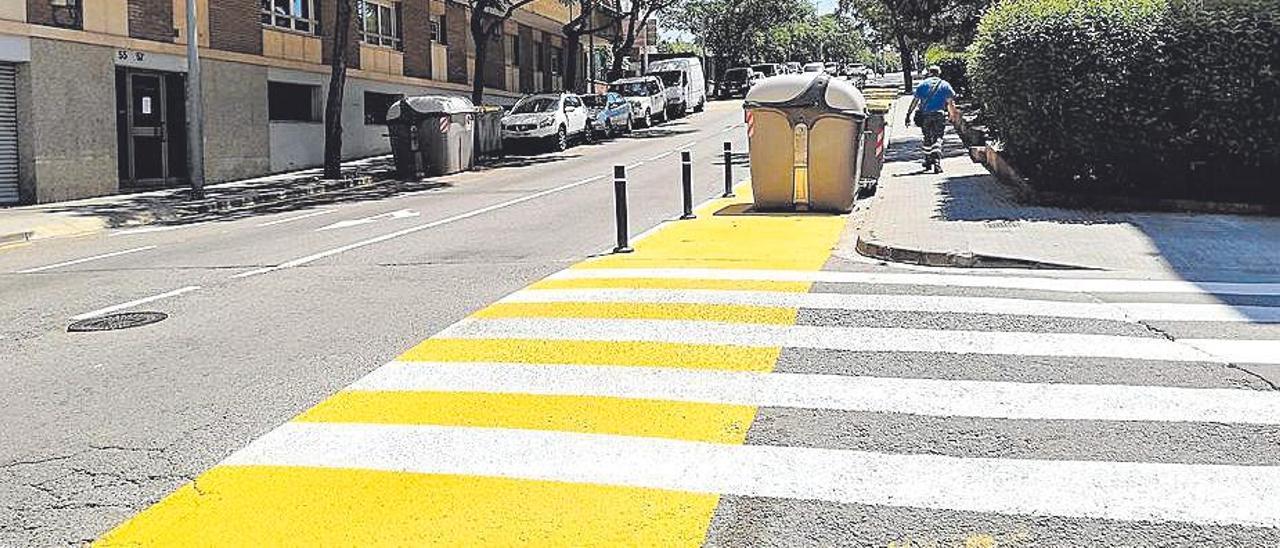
x,y
720,387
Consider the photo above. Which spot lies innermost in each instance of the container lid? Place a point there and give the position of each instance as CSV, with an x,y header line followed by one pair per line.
x,y
430,104
813,89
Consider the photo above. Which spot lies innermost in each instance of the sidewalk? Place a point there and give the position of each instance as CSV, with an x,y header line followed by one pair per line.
x,y
79,217
964,217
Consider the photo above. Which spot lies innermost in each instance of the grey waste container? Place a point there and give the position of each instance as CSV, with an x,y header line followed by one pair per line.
x,y
445,131
873,147
402,129
489,130
805,138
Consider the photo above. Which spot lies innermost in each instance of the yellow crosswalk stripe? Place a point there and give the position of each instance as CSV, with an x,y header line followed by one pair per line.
x,y
643,311
661,283
645,354
598,415
291,506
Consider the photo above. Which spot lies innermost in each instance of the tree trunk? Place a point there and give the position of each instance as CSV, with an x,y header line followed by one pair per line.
x,y
572,43
337,84
907,64
481,39
620,50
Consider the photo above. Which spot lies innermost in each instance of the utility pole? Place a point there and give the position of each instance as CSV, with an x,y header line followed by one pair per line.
x,y
195,106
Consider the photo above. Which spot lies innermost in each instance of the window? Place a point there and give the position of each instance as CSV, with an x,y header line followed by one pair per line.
x,y
293,102
67,13
557,53
514,40
439,31
381,23
376,105
542,57
299,15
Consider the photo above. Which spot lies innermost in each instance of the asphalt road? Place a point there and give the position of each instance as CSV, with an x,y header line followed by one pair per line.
x,y
99,425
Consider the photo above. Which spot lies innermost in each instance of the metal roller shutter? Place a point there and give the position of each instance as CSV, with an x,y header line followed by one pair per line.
x,y
8,135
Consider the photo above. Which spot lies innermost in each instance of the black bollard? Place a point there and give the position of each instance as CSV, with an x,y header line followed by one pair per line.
x,y
686,171
620,208
728,170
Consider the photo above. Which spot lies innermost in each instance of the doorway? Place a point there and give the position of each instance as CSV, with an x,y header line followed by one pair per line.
x,y
151,128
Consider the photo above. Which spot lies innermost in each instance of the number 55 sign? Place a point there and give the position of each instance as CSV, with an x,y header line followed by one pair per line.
x,y
149,60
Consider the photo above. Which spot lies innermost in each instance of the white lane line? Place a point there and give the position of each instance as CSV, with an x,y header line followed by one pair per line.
x,y
1239,351
912,303
307,215
406,231
1196,493
1068,285
658,157
146,230
634,165
85,259
390,215
859,339
687,145
131,304
931,397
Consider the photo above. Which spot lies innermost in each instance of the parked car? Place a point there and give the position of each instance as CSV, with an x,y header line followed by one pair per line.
x,y
736,81
646,95
768,69
693,85
608,114
832,67
675,87
792,67
549,117
814,67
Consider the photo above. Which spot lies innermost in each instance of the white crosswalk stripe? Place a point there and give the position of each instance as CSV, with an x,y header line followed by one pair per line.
x,y
1038,283
1206,494
863,339
944,398
913,303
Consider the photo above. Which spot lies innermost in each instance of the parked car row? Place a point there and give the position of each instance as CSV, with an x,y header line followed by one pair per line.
x,y
737,81
672,88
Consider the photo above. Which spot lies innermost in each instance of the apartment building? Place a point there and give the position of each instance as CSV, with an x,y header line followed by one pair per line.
x,y
92,92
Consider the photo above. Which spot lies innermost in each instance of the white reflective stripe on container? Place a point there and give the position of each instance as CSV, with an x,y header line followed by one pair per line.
x,y
8,134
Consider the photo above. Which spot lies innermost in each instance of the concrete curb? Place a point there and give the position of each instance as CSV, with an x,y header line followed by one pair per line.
x,y
877,249
186,211
252,199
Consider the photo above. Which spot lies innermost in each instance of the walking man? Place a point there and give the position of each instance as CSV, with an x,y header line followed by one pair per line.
x,y
935,100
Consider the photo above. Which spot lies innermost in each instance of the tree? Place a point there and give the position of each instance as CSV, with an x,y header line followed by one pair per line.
x,y
910,25
636,15
337,84
578,27
487,18
737,31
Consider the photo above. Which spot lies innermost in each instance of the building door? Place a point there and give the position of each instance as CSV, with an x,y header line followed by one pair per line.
x,y
8,134
152,137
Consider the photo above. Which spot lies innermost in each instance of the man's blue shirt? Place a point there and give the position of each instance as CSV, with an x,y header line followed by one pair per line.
x,y
939,101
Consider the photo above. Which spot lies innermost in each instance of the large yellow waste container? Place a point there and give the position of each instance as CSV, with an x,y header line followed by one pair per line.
x,y
805,137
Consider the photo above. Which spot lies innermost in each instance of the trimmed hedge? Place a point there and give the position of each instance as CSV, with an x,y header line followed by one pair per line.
x,y
1177,98
954,65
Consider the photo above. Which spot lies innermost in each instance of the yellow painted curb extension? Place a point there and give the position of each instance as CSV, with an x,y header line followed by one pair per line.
x,y
298,505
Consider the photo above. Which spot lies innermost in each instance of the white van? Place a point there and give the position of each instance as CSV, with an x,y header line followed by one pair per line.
x,y
693,85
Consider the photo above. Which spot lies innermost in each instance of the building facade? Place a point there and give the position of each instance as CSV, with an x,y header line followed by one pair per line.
x,y
92,92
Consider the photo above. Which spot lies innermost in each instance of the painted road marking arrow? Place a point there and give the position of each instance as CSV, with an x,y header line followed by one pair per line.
x,y
398,214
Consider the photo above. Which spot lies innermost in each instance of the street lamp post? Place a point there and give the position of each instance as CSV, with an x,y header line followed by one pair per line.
x,y
195,105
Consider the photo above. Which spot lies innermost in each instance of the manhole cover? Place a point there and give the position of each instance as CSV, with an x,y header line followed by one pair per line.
x,y
112,322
